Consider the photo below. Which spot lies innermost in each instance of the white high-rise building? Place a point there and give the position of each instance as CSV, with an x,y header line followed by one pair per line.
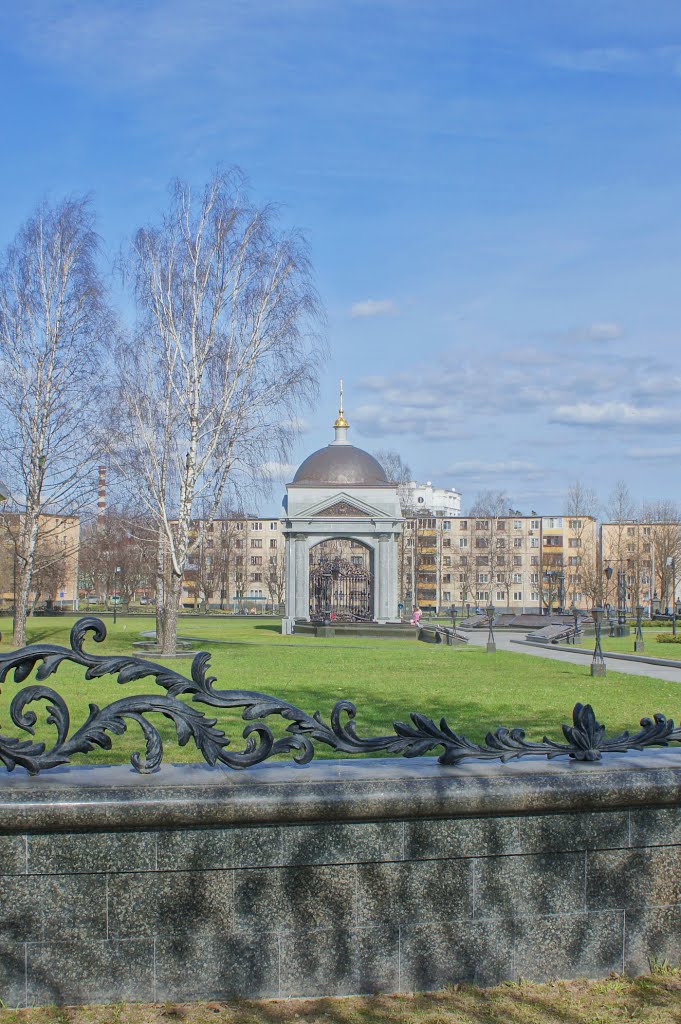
x,y
441,501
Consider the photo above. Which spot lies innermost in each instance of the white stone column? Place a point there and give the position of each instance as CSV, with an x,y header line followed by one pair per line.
x,y
383,579
302,574
290,577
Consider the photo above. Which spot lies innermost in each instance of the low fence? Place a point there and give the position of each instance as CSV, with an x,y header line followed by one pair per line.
x,y
346,877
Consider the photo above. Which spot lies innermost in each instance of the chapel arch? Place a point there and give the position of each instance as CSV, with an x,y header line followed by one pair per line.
x,y
341,580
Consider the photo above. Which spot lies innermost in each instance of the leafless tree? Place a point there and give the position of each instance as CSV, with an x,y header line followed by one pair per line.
x,y
276,576
53,319
224,354
584,571
118,554
665,517
398,472
490,504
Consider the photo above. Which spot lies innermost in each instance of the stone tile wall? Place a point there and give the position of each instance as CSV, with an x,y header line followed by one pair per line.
x,y
336,908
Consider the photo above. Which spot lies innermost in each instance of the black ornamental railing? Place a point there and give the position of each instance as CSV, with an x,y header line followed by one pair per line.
x,y
584,740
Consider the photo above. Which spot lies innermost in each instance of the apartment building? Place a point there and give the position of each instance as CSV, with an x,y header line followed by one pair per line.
x,y
519,563
55,576
238,565
643,558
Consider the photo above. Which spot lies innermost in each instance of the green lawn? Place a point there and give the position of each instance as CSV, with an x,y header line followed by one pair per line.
x,y
387,679
625,644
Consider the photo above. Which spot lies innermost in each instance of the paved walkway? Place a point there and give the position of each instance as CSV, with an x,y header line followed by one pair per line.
x,y
478,637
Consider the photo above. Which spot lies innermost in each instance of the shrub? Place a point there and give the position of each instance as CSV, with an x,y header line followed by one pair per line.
x,y
668,638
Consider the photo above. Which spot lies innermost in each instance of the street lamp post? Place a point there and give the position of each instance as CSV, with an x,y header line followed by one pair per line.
x,y
622,627
672,562
598,661
639,644
575,616
115,595
491,643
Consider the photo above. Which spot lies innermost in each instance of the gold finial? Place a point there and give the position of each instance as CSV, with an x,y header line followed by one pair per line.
x,y
341,421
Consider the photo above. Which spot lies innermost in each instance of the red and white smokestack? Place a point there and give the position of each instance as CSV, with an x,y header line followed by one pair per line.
x,y
101,492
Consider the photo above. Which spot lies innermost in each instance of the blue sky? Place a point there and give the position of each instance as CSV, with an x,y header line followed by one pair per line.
x,y
490,190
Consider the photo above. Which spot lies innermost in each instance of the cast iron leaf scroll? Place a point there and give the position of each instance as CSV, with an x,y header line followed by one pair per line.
x,y
585,739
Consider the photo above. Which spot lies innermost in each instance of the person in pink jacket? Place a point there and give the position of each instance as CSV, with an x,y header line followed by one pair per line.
x,y
416,616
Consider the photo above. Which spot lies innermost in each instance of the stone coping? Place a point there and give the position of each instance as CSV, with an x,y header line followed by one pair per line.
x,y
115,797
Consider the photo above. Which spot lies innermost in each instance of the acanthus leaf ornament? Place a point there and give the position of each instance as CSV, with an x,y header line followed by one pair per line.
x,y
585,739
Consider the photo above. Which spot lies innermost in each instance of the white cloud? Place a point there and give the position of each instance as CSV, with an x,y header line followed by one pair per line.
x,y
672,452
297,425
617,59
480,469
604,332
603,59
374,307
277,470
615,414
659,384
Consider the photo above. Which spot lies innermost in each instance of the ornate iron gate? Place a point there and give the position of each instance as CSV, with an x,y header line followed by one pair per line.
x,y
340,590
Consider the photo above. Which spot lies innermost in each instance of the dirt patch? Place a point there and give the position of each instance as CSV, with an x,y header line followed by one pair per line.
x,y
652,999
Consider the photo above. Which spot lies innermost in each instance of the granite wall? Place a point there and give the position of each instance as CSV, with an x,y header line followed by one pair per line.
x,y
307,882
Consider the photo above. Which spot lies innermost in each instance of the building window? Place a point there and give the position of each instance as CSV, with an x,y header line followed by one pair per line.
x,y
447,560
534,542
256,526
256,543
483,595
256,577
517,524
446,525
500,595
463,542
483,577
553,542
482,524
517,595
575,524
356,559
463,525
447,542
274,525
517,559
256,560
534,559
574,542
273,542
517,542
239,526
534,596
534,525
517,577
447,596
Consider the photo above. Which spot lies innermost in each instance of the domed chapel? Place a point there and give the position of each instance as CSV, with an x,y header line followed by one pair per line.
x,y
342,524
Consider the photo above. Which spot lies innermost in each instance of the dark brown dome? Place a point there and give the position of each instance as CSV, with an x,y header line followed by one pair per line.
x,y
341,464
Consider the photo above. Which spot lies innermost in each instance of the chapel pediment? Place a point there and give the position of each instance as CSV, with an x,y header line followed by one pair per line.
x,y
340,509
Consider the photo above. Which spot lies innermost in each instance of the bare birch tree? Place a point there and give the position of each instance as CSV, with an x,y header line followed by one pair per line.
x,y
53,318
223,356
